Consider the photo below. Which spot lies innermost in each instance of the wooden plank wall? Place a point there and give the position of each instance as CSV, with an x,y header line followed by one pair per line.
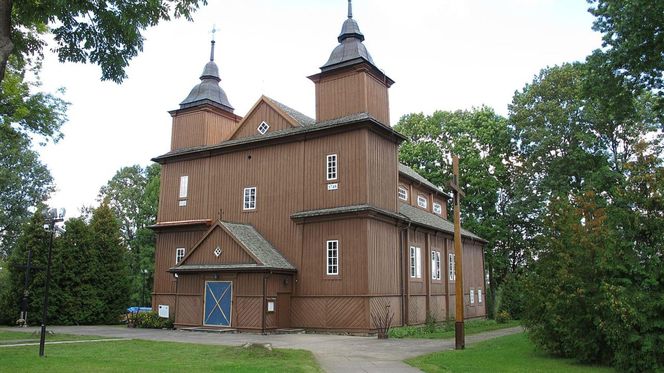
x,y
323,312
382,171
231,252
262,113
204,126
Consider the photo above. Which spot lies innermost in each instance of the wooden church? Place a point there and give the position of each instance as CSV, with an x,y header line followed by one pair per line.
x,y
277,220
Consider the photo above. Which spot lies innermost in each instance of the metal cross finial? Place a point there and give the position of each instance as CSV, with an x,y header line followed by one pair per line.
x,y
350,9
214,30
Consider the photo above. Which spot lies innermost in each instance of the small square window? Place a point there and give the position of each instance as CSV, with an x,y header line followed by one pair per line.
x,y
249,198
263,127
437,209
403,193
422,202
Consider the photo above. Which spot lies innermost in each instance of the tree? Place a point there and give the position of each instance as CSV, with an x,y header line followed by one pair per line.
x,y
33,237
634,32
24,180
75,267
111,279
107,33
133,194
483,141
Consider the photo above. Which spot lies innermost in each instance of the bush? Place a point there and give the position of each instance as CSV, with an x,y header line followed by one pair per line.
x,y
512,296
503,316
149,320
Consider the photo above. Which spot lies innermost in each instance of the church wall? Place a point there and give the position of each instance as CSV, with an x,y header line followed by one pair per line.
x,y
262,113
330,312
340,95
377,99
219,127
351,151
382,170
189,129
197,171
352,277
231,252
383,258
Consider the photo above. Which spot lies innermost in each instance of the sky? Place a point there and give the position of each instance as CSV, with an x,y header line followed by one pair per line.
x,y
442,54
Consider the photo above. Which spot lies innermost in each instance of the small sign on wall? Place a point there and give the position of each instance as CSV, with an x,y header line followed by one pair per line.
x,y
163,311
270,306
333,186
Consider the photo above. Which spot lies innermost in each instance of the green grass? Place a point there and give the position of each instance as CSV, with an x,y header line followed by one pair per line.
x,y
512,353
22,336
149,356
446,329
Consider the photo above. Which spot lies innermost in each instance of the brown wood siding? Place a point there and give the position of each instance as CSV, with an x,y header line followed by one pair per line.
x,y
382,171
190,310
352,277
349,93
417,311
200,127
378,103
231,252
383,258
197,202
377,305
263,112
248,313
166,244
351,150
330,313
276,172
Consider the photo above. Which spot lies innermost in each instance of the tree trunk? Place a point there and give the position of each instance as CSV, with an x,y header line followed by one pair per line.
x,y
6,45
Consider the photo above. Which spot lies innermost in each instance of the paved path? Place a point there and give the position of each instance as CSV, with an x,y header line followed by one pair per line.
x,y
335,353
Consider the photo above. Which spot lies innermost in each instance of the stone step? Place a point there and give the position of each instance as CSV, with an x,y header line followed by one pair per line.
x,y
289,331
210,330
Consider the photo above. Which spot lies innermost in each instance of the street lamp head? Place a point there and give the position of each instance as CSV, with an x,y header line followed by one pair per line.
x,y
55,215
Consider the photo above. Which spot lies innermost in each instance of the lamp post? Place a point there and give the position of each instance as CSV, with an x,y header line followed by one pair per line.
x,y
52,216
144,272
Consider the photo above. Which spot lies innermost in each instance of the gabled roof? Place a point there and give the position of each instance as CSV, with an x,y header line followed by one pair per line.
x,y
346,121
427,219
301,119
412,174
266,257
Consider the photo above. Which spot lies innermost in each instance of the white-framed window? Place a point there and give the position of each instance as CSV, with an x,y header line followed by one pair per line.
x,y
249,198
333,257
331,167
184,186
422,202
403,193
437,209
435,265
479,295
451,267
415,262
179,254
263,127
472,296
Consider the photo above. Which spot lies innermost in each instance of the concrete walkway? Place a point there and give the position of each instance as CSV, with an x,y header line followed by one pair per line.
x,y
335,353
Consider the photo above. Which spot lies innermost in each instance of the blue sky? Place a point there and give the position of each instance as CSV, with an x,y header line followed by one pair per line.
x,y
443,55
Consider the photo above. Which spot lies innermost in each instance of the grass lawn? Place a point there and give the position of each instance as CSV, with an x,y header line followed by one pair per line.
x,y
148,356
6,337
446,330
512,353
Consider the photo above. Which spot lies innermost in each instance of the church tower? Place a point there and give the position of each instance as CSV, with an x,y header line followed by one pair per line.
x,y
349,82
205,117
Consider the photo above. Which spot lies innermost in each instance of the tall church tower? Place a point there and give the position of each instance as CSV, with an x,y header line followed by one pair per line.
x,y
350,82
205,117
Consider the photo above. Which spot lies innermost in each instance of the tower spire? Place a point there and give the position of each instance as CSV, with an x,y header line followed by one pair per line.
x,y
350,9
214,30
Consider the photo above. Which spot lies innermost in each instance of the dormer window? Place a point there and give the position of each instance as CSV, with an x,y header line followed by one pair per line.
x,y
263,127
437,209
422,202
403,193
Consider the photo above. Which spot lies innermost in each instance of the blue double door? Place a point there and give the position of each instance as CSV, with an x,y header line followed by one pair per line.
x,y
218,303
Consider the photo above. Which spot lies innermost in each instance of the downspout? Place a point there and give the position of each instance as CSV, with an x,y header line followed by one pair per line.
x,y
264,313
177,281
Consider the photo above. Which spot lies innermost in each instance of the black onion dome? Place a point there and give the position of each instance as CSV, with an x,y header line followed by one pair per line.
x,y
350,49
208,90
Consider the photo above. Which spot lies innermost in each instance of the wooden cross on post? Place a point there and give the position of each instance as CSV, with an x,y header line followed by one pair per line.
x,y
460,339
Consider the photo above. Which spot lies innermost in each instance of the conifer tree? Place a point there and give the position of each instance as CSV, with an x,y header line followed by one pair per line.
x,y
111,279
